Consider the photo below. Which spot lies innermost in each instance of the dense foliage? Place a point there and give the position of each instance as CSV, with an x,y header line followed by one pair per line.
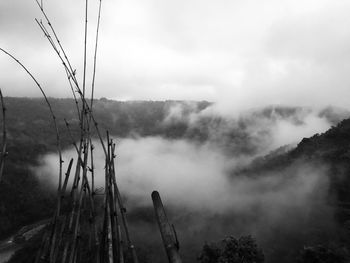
x,y
232,250
23,200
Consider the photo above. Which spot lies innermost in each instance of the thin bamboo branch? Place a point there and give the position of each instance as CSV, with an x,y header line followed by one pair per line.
x,y
58,144
58,208
85,44
4,136
66,63
95,54
73,93
92,168
56,37
86,108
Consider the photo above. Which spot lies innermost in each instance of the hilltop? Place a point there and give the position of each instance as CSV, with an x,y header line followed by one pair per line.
x,y
249,136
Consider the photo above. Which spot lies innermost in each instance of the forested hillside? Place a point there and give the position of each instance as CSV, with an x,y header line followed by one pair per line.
x,y
282,224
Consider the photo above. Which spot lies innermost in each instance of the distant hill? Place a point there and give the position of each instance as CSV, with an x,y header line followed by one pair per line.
x,y
28,120
31,134
23,200
331,148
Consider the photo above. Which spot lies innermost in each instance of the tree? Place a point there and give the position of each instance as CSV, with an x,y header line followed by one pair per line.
x,y
232,250
210,254
321,254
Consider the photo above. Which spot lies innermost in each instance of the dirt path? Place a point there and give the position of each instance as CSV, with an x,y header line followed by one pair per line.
x,y
9,246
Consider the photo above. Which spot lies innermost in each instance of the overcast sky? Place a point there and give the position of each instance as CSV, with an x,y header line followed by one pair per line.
x,y
245,53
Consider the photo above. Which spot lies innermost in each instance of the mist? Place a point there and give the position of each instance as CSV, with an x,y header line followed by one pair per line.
x,y
241,54
197,177
201,184
256,131
206,199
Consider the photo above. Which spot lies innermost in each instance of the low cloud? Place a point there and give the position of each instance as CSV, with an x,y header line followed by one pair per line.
x,y
198,177
240,54
253,132
207,198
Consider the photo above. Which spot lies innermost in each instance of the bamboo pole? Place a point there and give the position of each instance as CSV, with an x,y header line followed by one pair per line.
x,y
66,62
113,207
75,200
85,47
52,238
122,210
58,144
4,136
113,200
120,248
69,70
55,250
104,234
167,233
95,54
76,227
92,219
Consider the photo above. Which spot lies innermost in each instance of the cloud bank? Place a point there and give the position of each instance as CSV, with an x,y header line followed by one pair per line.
x,y
198,177
241,54
254,132
207,199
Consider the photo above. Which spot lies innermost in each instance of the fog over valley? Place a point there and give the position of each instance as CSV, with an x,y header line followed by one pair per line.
x,y
200,173
143,131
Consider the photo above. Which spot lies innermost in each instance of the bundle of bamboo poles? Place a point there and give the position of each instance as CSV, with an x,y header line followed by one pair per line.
x,y
79,235
82,233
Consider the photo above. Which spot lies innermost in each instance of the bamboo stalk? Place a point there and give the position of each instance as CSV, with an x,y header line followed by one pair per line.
x,y
58,207
77,223
55,250
167,233
122,209
4,136
90,192
85,40
67,178
95,54
104,234
41,250
74,222
111,253
58,41
92,168
112,209
56,239
75,198
120,254
66,63
58,144
73,93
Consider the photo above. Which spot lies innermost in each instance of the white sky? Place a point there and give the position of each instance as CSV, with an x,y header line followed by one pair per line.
x,y
241,53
